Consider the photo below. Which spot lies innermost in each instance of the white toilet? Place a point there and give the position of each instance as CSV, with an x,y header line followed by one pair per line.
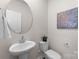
x,y
50,54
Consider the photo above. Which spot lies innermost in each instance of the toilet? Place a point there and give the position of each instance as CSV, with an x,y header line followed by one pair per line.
x,y
50,54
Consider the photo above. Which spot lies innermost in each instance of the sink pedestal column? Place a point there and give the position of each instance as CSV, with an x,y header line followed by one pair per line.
x,y
24,56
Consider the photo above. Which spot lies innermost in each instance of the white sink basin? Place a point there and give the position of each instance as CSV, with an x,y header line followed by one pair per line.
x,y
21,48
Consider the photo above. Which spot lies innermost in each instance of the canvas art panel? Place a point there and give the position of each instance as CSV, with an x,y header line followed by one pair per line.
x,y
68,19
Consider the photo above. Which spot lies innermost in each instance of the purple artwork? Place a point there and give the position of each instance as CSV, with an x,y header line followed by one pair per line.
x,y
68,19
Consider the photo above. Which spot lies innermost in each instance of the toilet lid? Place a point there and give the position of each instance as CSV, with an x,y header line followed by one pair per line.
x,y
52,54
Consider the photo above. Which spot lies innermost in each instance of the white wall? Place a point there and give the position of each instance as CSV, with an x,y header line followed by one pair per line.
x,y
58,37
39,10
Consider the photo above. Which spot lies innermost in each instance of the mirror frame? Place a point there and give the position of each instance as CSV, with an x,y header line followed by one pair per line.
x,y
21,23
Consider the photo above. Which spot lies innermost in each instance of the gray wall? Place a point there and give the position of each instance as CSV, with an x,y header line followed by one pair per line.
x,y
39,10
58,37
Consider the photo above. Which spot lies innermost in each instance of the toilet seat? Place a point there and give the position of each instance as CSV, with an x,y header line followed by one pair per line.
x,y
52,54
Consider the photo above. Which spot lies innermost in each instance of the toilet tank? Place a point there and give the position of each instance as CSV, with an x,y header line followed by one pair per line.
x,y
43,46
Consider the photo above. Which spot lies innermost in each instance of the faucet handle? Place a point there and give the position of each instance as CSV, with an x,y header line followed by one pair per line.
x,y
22,37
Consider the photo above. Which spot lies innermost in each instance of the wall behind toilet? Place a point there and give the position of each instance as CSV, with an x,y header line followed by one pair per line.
x,y
39,27
58,37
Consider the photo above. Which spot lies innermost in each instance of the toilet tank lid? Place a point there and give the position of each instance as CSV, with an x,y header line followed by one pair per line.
x,y
52,54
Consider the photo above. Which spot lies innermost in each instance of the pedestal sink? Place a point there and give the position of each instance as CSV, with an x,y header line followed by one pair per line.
x,y
22,49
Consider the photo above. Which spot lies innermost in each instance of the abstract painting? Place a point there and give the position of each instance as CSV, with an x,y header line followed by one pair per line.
x,y
68,19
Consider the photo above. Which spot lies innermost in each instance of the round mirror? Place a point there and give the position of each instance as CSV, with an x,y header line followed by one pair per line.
x,y
19,16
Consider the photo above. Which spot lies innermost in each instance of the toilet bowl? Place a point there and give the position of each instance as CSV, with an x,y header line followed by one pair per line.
x,y
50,54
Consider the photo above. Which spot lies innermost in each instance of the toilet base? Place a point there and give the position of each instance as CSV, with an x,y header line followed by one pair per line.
x,y
24,56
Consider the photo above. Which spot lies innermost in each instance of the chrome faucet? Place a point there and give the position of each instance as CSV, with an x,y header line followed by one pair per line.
x,y
22,40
